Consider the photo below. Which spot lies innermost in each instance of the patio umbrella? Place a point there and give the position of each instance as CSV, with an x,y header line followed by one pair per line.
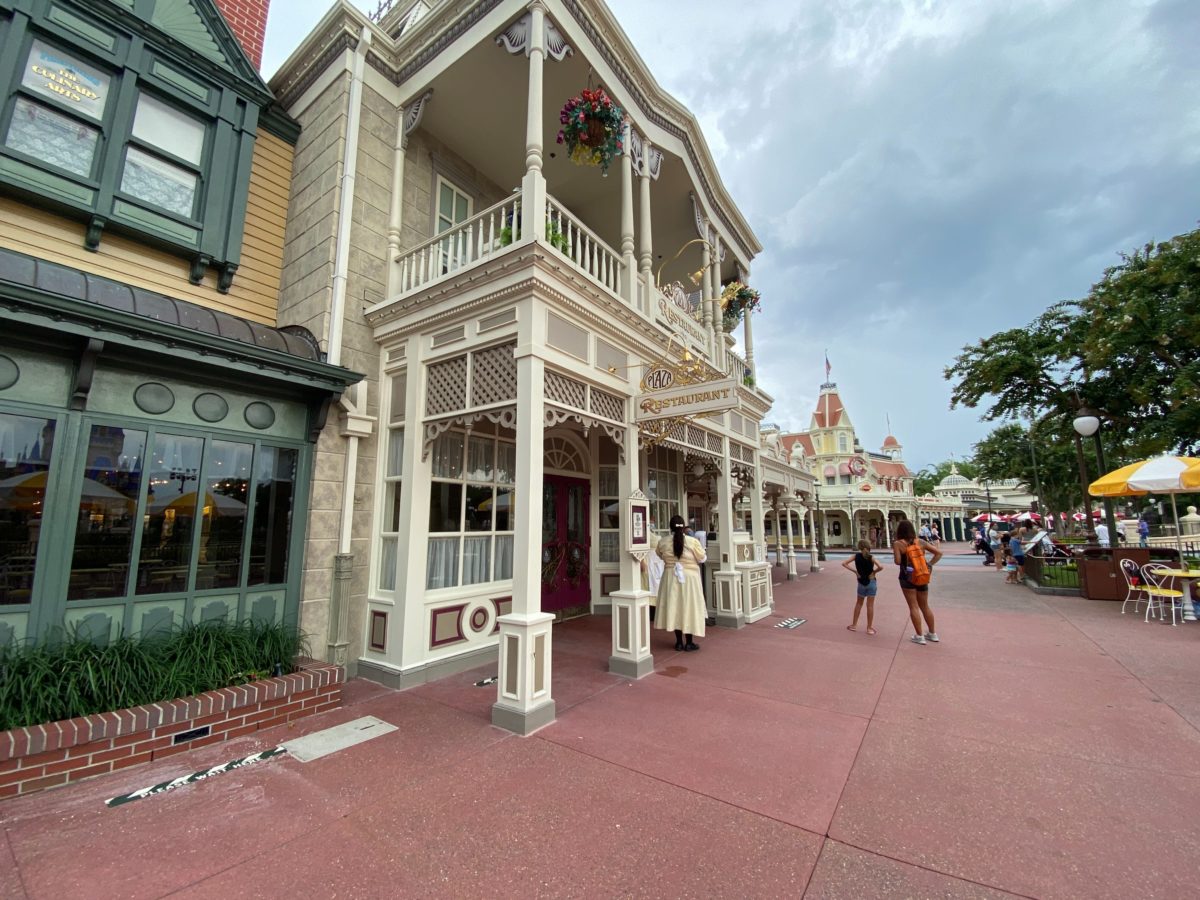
x,y
21,491
220,504
988,517
1160,475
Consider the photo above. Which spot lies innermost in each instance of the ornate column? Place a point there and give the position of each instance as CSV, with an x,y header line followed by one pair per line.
x,y
778,535
791,556
631,654
628,264
727,581
523,699
408,119
706,293
812,544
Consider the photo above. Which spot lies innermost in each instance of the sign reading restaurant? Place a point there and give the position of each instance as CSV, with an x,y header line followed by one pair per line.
x,y
661,397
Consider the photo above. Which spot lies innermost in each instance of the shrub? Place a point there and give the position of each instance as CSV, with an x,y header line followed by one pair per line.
x,y
78,677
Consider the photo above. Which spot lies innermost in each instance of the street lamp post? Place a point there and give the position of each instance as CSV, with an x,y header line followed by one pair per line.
x,y
850,507
1087,424
819,524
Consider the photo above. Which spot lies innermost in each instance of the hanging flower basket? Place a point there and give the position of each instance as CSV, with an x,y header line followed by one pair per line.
x,y
592,129
737,300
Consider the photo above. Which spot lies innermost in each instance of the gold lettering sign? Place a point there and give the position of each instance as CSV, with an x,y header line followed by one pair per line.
x,y
52,73
689,400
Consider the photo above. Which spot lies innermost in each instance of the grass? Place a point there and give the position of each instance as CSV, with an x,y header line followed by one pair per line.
x,y
78,677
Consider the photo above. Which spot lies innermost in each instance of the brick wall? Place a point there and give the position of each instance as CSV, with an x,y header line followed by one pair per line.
x,y
45,756
248,19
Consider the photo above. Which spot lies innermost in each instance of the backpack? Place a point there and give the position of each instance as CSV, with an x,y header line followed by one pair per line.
x,y
917,564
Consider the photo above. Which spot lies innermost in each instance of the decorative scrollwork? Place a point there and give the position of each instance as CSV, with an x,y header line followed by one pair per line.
x,y
416,109
515,38
505,417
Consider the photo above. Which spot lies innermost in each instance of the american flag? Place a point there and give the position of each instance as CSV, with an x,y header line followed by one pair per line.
x,y
827,366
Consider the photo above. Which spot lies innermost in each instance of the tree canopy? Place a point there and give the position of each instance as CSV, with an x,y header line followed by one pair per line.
x,y
931,476
1130,350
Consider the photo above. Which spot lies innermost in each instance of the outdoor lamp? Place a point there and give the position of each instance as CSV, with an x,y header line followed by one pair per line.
x,y
1086,423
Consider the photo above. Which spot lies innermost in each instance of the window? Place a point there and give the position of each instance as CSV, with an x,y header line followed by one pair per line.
x,y
163,159
274,480
609,530
26,444
453,208
662,487
389,538
57,111
843,444
470,509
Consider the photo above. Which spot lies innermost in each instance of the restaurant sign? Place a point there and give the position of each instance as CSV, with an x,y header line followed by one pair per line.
x,y
683,400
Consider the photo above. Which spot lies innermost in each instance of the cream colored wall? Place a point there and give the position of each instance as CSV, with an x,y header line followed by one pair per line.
x,y
255,291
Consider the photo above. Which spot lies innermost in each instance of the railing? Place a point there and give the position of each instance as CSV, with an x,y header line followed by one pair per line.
x,y
1052,572
473,239
738,367
582,246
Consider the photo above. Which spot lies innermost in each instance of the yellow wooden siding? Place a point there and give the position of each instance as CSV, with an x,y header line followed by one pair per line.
x,y
255,291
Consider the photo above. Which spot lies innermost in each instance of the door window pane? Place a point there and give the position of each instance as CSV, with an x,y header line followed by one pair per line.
x,y
25,448
172,503
166,128
224,514
270,536
52,137
62,77
159,182
107,507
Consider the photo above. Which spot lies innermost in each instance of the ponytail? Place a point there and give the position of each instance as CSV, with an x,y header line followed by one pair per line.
x,y
677,527
864,547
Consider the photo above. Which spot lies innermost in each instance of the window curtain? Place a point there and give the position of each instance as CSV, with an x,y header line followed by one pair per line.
x,y
477,553
387,564
504,557
441,563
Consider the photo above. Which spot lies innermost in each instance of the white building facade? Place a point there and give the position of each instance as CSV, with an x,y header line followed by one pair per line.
x,y
496,471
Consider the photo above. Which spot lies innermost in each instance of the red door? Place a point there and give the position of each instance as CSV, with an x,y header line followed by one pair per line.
x,y
565,543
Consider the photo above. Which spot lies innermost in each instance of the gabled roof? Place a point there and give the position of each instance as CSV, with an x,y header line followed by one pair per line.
x,y
829,410
804,440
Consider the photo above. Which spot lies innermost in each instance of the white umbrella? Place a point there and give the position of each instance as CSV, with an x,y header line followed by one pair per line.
x,y
1160,475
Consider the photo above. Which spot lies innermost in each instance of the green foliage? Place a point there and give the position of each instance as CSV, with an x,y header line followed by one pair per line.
x,y
554,237
77,677
1011,451
1129,350
931,476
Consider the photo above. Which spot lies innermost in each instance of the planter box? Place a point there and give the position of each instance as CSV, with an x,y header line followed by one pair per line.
x,y
44,756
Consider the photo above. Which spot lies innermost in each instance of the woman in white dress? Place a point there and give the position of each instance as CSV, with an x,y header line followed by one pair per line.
x,y
680,596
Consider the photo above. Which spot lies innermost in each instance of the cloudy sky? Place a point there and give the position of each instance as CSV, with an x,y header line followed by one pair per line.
x,y
921,173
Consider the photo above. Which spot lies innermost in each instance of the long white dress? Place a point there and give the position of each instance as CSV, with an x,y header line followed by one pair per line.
x,y
681,606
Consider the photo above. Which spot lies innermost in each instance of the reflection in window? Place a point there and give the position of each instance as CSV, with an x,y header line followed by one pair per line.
x,y
104,529
171,505
227,485
25,447
275,474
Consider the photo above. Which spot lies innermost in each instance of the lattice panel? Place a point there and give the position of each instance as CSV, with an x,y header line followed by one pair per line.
x,y
566,391
493,375
447,389
714,442
695,436
677,432
608,405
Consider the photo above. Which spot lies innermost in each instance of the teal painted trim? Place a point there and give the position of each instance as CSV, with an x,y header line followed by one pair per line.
x,y
118,124
296,550
239,203
179,80
129,213
101,37
222,173
277,122
43,183
89,320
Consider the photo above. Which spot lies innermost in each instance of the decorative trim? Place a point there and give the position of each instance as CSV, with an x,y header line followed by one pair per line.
x,y
413,113
515,38
636,153
654,160
434,614
698,214
377,635
84,374
505,417
554,415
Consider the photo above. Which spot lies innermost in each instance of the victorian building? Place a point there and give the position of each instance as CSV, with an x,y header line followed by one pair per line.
x,y
860,494
542,390
156,425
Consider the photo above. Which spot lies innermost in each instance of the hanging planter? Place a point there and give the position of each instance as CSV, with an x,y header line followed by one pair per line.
x,y
737,300
592,129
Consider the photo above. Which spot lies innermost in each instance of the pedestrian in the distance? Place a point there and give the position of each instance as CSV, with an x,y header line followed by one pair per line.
x,y
1143,532
865,566
935,536
680,596
1016,546
909,553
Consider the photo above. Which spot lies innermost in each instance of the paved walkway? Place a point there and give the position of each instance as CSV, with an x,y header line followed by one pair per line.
x,y
1048,747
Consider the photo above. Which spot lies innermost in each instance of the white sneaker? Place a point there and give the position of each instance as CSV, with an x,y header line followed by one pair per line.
x,y
931,636
918,639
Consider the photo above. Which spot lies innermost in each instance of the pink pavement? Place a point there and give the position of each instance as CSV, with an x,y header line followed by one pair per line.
x,y
1047,747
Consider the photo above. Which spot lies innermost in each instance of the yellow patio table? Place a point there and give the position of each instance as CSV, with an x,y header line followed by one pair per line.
x,y
1189,610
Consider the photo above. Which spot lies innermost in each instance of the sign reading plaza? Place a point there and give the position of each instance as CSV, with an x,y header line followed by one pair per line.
x,y
687,400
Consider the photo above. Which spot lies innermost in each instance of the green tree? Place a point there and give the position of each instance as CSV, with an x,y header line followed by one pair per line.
x,y
1012,451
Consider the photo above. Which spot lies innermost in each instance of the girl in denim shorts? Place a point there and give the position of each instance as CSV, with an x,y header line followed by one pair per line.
x,y
864,566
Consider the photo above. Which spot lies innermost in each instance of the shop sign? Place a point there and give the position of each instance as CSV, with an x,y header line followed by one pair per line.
x,y
55,74
680,321
687,400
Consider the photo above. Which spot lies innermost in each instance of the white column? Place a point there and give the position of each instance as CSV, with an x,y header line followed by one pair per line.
x,y
812,543
533,187
523,698
396,210
714,264
631,654
748,336
628,273
706,296
791,556
645,232
778,538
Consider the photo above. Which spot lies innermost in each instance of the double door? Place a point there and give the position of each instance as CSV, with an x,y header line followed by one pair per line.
x,y
566,544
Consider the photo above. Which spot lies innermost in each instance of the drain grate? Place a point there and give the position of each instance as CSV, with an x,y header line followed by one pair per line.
x,y
791,623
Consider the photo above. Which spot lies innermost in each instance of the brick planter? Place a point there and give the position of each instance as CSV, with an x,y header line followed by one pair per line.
x,y
45,756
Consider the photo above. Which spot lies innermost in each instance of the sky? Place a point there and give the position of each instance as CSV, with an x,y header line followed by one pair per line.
x,y
920,173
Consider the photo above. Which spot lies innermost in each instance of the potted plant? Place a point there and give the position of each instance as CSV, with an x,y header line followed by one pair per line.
x,y
737,300
592,129
554,237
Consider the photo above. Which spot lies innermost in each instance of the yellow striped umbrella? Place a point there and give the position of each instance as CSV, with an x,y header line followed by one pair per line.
x,y
1160,475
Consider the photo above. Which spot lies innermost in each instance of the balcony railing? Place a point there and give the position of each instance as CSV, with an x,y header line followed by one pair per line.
x,y
471,240
582,246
